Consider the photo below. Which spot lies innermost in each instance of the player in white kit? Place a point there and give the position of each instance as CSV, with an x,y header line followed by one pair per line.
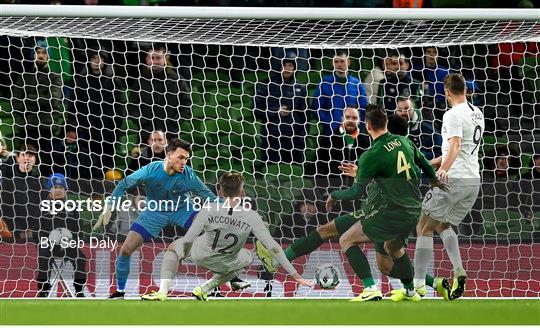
x,y
225,228
462,129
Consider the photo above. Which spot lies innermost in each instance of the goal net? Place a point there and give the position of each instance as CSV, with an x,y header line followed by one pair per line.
x,y
280,99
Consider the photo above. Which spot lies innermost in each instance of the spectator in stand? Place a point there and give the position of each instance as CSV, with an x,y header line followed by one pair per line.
x,y
160,98
420,131
37,101
346,144
308,214
153,150
57,191
501,164
397,81
21,194
433,72
507,68
97,109
6,156
72,157
376,75
336,92
280,105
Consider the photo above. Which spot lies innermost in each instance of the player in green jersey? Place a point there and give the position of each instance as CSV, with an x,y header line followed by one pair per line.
x,y
393,162
340,225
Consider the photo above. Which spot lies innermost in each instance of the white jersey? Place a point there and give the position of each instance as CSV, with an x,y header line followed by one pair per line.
x,y
226,231
467,122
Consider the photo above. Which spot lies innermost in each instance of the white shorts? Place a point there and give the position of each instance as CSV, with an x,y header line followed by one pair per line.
x,y
222,263
450,206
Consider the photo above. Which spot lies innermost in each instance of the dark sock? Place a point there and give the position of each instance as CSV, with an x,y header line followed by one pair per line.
x,y
304,245
404,271
236,279
430,280
360,265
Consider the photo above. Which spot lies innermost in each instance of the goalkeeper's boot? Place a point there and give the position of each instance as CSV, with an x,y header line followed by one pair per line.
x,y
117,295
443,288
458,287
238,286
199,294
265,256
399,295
154,296
368,294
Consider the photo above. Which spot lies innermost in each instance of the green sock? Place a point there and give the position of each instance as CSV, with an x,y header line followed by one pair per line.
x,y
430,280
289,253
304,245
360,265
404,271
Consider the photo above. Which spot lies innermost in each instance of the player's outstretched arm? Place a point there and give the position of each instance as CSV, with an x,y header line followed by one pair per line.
x,y
263,235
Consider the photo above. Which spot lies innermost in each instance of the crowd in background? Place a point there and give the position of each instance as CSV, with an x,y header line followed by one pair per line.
x,y
68,122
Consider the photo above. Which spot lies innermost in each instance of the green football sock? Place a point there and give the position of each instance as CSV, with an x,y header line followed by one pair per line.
x,y
404,271
360,265
430,280
304,245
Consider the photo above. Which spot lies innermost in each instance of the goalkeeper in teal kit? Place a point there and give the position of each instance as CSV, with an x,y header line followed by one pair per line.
x,y
167,185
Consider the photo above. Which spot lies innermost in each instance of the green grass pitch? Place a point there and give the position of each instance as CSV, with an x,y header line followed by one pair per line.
x,y
282,312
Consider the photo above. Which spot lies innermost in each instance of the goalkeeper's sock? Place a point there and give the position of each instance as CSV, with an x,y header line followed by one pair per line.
x,y
404,271
422,256
360,265
450,241
217,280
122,272
169,268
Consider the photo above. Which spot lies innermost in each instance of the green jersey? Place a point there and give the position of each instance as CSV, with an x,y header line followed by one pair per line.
x,y
393,162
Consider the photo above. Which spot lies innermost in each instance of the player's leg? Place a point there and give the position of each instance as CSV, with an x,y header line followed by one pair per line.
x,y
423,249
349,246
386,266
184,219
402,269
465,197
134,240
309,243
169,268
225,263
201,292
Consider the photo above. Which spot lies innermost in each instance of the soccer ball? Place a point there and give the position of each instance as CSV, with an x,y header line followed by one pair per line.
x,y
327,276
57,234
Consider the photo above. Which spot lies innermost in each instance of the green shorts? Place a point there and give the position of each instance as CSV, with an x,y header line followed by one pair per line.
x,y
345,222
383,225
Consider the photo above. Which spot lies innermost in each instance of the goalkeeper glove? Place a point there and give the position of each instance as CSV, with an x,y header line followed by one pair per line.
x,y
103,218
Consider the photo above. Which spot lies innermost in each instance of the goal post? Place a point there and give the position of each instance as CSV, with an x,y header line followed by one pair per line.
x,y
115,82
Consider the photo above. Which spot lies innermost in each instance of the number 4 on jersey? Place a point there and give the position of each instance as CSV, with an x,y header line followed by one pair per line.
x,y
403,165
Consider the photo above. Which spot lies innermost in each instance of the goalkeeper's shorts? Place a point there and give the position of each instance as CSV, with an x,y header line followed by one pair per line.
x,y
149,223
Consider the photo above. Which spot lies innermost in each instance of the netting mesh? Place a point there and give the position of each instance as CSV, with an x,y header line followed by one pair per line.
x,y
98,98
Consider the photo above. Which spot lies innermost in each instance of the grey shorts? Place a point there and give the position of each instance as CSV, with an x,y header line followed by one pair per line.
x,y
450,206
